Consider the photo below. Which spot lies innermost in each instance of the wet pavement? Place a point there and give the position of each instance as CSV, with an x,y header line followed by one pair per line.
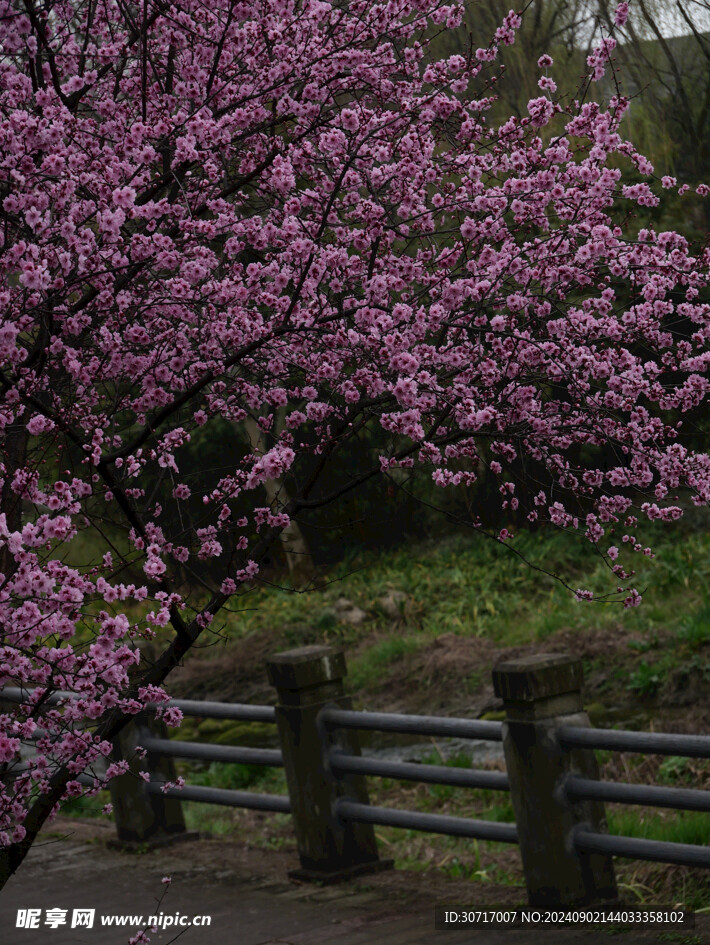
x,y
246,905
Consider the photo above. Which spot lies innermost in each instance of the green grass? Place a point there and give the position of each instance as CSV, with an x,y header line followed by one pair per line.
x,y
87,806
469,585
366,671
209,819
694,628
232,777
647,679
679,771
680,938
672,826
261,779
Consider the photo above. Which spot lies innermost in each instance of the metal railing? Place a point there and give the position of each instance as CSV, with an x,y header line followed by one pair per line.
x,y
576,788
424,725
429,823
647,743
423,774
412,724
553,782
222,754
170,748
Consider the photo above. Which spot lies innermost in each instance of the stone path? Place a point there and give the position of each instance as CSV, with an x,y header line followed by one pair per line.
x,y
247,905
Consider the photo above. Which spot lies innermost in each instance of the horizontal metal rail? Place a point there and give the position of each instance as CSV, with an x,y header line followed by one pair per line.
x,y
16,694
426,774
635,848
227,754
430,823
650,743
85,780
227,798
649,795
225,710
412,724
209,710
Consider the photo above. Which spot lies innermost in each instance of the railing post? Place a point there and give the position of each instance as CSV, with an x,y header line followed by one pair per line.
x,y
306,680
141,815
539,694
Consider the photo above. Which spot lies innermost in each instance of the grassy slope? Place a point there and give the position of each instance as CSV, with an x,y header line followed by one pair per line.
x,y
477,590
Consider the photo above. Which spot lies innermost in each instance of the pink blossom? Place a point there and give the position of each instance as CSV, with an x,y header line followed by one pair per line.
x,y
621,14
9,747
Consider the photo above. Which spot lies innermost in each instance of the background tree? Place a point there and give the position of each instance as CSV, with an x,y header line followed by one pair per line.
x,y
219,211
562,29
297,551
663,54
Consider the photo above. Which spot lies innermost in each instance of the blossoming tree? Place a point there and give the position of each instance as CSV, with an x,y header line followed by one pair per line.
x,y
220,211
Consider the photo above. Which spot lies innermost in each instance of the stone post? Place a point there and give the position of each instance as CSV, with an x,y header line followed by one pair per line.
x,y
539,694
306,680
140,815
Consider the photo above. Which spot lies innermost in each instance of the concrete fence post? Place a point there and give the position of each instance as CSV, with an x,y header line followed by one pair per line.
x,y
539,694
306,680
142,816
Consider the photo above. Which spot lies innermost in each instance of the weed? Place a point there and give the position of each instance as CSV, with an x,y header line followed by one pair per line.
x,y
694,629
207,818
680,938
502,813
367,671
643,646
87,806
675,768
232,777
456,869
671,825
637,889
645,679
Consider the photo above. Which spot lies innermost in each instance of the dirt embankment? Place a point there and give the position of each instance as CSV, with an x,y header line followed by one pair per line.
x,y
627,680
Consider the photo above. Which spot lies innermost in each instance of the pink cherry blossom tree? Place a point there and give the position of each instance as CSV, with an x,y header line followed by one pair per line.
x,y
219,211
